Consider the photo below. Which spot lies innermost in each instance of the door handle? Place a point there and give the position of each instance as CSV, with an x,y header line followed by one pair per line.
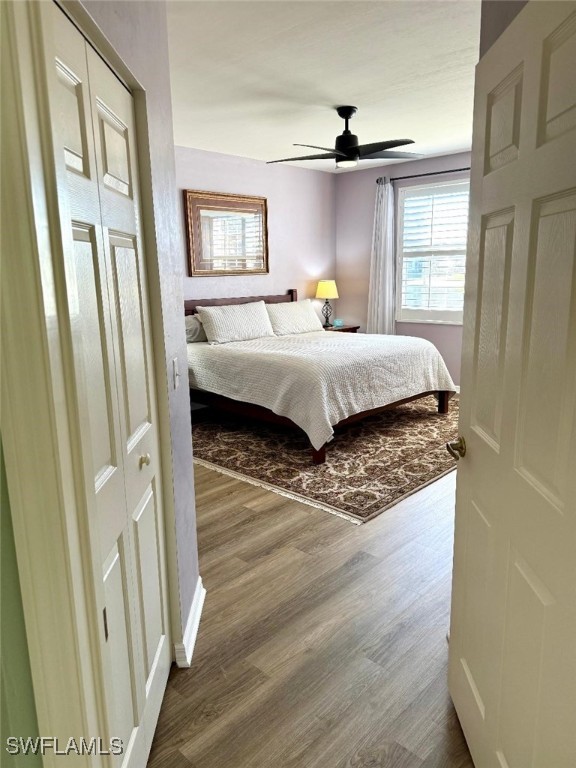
x,y
457,448
144,460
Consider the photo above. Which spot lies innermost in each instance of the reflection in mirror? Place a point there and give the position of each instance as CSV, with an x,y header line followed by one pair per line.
x,y
227,234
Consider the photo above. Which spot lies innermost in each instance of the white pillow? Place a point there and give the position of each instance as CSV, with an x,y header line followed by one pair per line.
x,y
235,322
293,317
194,329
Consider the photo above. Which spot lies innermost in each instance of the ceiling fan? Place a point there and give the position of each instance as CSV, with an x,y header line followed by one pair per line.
x,y
348,152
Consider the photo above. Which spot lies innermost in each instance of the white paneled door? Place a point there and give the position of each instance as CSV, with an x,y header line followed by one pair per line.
x,y
513,631
111,387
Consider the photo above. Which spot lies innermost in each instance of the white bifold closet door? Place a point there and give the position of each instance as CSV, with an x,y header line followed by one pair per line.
x,y
111,387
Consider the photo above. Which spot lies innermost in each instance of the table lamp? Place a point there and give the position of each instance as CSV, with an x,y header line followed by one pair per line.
x,y
327,290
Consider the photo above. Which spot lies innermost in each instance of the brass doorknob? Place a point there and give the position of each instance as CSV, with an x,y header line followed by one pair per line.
x,y
144,460
457,448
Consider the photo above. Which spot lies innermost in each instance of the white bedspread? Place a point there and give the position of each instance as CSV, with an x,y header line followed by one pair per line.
x,y
317,379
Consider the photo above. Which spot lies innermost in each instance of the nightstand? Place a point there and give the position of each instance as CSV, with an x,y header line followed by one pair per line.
x,y
344,328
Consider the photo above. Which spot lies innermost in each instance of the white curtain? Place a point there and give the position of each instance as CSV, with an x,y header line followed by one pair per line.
x,y
382,290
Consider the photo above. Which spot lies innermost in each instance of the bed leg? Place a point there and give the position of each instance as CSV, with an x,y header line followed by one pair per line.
x,y
319,457
443,398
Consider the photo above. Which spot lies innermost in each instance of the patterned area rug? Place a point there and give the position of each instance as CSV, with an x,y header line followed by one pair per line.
x,y
370,465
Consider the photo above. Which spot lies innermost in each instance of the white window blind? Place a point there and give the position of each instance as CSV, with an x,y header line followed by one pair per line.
x,y
232,240
432,231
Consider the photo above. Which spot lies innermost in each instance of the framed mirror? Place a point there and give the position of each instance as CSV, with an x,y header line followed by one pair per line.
x,y
226,234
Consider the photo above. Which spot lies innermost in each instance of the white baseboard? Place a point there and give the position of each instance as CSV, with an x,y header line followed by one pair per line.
x,y
183,651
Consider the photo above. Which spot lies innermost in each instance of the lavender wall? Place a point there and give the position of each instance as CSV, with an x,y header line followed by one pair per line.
x,y
495,16
301,224
355,196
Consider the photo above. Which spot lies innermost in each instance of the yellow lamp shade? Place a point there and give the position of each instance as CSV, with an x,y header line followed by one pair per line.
x,y
327,289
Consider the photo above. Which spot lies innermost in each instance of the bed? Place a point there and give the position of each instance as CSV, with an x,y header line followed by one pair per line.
x,y
315,381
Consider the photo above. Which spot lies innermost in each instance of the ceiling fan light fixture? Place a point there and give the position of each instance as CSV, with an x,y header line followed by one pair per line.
x,y
348,151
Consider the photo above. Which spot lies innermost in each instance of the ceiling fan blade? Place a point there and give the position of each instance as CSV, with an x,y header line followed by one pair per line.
x,y
326,149
392,155
378,146
329,156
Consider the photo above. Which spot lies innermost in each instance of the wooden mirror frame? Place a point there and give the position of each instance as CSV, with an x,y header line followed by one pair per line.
x,y
194,200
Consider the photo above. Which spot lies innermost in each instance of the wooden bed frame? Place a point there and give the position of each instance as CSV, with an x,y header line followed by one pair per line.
x,y
251,411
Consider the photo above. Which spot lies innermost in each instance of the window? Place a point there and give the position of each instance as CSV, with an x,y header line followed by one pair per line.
x,y
232,240
431,248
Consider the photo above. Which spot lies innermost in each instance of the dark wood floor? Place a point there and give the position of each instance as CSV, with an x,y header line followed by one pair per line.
x,y
322,644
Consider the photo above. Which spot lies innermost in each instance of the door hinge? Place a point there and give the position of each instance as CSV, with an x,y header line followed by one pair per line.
x,y
105,624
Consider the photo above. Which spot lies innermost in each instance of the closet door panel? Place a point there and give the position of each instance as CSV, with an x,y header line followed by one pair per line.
x,y
139,434
121,696
117,178
95,376
131,339
70,99
113,138
146,543
93,387
93,392
110,392
113,125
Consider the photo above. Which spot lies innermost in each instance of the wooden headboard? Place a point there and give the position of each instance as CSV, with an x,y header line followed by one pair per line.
x,y
191,304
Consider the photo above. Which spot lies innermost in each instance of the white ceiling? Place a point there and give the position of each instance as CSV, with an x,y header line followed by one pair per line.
x,y
252,78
